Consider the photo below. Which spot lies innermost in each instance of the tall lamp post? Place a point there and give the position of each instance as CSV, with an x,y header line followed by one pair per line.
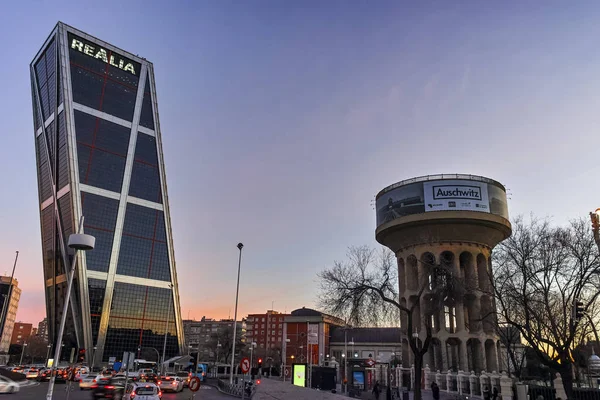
x,y
284,358
162,365
94,358
252,346
22,352
77,242
48,354
145,347
237,292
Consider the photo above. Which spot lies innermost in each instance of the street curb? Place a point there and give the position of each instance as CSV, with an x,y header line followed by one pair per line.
x,y
220,391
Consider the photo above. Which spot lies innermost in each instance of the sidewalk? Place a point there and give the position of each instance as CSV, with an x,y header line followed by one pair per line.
x,y
270,389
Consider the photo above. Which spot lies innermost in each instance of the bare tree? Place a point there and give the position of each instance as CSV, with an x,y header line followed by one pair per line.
x,y
510,337
364,290
540,272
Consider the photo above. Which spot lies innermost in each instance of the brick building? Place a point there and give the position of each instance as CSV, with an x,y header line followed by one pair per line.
x,y
21,333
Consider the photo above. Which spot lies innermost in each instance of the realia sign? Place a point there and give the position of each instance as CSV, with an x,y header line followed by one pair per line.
x,y
106,56
456,195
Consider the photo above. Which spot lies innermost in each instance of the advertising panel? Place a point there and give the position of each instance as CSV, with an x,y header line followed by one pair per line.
x,y
299,374
456,195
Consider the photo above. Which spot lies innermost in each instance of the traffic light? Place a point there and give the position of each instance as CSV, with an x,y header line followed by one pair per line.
x,y
579,310
260,363
193,361
81,355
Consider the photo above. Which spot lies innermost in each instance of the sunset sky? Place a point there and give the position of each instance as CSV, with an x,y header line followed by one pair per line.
x,y
281,120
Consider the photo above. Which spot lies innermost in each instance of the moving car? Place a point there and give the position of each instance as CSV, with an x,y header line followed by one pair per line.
x,y
150,377
87,382
8,385
108,388
171,383
185,376
31,373
142,391
43,375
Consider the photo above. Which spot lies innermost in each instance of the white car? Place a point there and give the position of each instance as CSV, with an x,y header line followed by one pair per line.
x,y
31,373
142,391
87,382
8,385
171,383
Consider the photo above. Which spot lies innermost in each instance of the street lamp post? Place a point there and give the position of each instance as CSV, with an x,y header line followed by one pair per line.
x,y
145,347
94,358
252,346
237,292
22,352
284,358
77,241
48,354
162,365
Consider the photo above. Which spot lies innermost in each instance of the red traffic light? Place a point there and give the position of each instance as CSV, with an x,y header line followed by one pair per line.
x,y
258,381
260,360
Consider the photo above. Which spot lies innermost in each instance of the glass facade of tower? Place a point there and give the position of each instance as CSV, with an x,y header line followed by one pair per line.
x,y
99,155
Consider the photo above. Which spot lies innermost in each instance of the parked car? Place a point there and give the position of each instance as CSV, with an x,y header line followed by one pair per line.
x,y
171,383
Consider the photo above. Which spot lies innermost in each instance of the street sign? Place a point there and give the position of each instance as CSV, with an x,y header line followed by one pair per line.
x,y
194,384
287,372
245,365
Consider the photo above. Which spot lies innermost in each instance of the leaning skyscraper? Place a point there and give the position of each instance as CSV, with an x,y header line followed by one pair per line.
x,y
99,154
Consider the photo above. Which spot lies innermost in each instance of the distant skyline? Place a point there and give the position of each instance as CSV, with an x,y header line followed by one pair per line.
x,y
282,120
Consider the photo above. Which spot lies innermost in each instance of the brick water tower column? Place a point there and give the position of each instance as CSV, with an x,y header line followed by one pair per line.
x,y
453,221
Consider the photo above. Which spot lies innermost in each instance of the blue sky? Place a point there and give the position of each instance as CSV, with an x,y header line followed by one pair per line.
x,y
281,120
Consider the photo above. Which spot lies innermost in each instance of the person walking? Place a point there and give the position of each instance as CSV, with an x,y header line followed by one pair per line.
x,y
376,390
435,390
486,393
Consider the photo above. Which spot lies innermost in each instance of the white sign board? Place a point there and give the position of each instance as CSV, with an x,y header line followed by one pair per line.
x,y
456,195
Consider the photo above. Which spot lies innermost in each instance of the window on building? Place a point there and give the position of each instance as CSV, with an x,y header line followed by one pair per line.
x,y
262,332
263,320
280,326
262,345
273,333
450,313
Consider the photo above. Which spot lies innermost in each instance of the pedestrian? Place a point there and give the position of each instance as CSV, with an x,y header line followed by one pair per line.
x,y
486,393
435,389
376,390
495,393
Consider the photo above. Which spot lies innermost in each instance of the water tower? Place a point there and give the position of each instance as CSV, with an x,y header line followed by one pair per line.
x,y
454,221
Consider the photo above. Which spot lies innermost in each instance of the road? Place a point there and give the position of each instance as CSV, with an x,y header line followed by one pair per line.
x,y
38,392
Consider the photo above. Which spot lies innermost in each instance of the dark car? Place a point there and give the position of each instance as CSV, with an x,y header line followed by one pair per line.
x,y
45,375
150,378
108,388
